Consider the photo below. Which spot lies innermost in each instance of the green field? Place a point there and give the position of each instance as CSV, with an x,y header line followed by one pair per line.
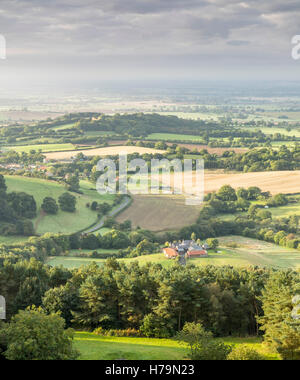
x,y
290,209
64,126
94,347
174,137
103,231
63,222
43,148
247,253
277,212
275,115
273,130
288,144
99,133
9,240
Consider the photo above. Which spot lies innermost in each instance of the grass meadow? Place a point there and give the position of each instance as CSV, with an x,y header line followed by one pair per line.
x,y
63,222
169,137
64,127
94,347
273,130
43,148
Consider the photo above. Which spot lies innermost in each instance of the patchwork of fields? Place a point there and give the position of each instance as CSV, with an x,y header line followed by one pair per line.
x,y
160,213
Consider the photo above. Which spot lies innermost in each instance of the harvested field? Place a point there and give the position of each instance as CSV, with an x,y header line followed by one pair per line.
x,y
287,182
160,212
108,151
165,212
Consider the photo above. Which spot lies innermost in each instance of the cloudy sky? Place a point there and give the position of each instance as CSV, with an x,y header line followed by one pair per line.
x,y
74,40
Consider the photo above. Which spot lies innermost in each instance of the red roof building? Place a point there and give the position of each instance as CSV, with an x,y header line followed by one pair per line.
x,y
197,253
170,253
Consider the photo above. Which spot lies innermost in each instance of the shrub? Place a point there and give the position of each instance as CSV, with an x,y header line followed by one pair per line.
x,y
120,333
201,343
33,335
243,352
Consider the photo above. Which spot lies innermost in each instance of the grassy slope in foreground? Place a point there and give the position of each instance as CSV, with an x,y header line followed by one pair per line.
x,y
94,347
248,252
63,222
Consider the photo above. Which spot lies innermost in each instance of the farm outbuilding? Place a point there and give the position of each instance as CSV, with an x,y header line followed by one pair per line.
x,y
197,253
170,253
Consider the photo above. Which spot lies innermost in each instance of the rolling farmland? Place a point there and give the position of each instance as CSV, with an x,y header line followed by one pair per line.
x,y
161,212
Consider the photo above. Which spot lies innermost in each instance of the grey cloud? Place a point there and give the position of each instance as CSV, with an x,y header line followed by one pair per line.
x,y
149,30
238,43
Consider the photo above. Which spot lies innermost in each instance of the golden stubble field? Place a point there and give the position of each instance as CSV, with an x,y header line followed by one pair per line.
x,y
167,212
287,182
107,151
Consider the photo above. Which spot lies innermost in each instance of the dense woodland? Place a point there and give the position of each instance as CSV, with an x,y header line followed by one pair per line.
x,y
157,302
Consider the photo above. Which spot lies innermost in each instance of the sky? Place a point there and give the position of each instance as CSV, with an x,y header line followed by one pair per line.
x,y
75,41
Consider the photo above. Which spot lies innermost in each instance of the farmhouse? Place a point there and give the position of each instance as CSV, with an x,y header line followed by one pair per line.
x,y
186,248
170,253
